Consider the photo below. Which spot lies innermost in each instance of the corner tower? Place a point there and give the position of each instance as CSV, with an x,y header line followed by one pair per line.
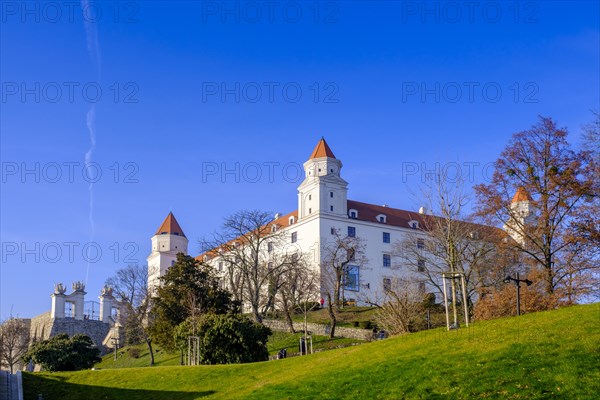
x,y
521,215
168,240
323,189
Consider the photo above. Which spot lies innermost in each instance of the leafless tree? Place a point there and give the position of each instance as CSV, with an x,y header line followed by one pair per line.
x,y
255,253
300,287
14,342
445,242
130,285
339,257
398,306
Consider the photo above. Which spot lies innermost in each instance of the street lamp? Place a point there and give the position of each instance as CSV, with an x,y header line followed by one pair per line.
x,y
517,282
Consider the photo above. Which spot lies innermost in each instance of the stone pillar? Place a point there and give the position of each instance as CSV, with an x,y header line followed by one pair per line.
x,y
77,298
106,304
58,301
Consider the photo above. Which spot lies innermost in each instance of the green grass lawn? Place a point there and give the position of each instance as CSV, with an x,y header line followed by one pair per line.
x,y
277,341
552,354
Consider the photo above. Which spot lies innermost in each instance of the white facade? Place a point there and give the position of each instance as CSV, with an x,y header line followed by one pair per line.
x,y
167,242
323,207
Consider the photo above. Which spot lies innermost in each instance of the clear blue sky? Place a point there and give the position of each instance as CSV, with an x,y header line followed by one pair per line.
x,y
391,85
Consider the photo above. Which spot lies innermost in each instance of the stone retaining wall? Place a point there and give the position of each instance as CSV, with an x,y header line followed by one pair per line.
x,y
320,329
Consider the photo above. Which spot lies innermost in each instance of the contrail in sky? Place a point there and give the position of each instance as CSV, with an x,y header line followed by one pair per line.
x,y
93,47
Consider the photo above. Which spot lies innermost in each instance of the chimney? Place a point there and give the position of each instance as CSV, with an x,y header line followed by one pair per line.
x,y
277,215
422,210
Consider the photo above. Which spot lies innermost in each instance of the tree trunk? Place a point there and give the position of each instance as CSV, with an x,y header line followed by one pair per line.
x,y
149,343
454,312
288,317
332,317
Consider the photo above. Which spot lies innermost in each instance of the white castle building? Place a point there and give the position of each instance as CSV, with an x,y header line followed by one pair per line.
x,y
323,210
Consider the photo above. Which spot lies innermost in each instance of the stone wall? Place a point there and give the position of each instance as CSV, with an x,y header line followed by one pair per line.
x,y
320,329
43,327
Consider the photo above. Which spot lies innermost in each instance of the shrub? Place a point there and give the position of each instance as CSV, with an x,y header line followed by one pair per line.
x,y
134,352
365,324
61,353
226,339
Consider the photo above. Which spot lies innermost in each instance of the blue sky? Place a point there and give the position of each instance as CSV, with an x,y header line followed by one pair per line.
x,y
189,89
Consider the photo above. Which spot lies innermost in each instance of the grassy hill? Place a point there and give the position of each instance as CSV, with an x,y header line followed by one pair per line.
x,y
542,355
277,341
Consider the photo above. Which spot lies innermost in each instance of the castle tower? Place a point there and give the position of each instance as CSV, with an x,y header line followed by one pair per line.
x,y
167,242
323,189
522,214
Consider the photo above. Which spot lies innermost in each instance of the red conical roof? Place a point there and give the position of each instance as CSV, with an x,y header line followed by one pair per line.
x,y
322,150
521,195
170,226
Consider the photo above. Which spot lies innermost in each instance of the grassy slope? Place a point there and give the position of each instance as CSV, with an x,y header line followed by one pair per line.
x,y
539,355
277,341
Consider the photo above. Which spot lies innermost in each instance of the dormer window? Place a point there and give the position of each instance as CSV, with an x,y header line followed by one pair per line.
x,y
274,228
352,213
382,218
292,220
414,224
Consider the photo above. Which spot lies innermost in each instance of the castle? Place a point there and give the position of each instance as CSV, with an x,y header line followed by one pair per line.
x,y
324,209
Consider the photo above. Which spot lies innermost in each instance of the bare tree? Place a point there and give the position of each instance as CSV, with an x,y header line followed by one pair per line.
x,y
445,243
399,306
255,252
130,285
551,178
14,342
340,257
300,287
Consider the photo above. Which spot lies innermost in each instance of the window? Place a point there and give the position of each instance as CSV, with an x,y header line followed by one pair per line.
x,y
220,266
352,278
387,284
421,265
292,220
332,231
310,210
294,257
387,260
420,243
294,237
382,218
386,237
270,247
270,266
422,287
351,231
331,194
352,213
413,224
310,196
331,208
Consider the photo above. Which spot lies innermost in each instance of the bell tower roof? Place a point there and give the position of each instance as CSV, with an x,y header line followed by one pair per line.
x,y
322,150
521,195
170,226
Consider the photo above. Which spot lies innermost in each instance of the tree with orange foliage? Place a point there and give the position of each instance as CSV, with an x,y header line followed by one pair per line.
x,y
541,164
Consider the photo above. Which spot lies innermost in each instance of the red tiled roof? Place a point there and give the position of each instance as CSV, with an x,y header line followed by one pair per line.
x,y
281,222
321,150
369,212
521,195
170,226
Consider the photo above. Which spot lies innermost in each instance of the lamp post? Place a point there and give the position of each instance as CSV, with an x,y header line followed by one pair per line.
x,y
517,282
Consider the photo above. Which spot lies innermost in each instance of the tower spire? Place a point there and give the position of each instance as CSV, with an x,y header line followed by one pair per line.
x,y
322,150
170,226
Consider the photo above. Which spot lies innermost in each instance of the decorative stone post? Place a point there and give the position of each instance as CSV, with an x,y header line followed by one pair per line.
x,y
58,301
